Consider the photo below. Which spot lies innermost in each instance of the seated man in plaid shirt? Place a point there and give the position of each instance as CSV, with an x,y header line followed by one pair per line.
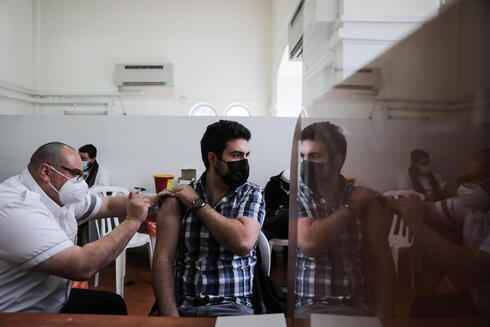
x,y
342,234
206,232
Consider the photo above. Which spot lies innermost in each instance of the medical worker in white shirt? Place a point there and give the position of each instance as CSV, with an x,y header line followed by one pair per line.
x,y
39,213
469,213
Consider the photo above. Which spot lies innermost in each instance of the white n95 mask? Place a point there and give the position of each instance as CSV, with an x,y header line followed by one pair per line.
x,y
74,190
473,196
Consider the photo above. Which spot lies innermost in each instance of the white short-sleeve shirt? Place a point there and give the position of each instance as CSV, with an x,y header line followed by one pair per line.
x,y
405,183
34,228
476,234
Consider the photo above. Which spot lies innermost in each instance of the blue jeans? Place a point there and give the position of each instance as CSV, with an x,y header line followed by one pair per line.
x,y
215,310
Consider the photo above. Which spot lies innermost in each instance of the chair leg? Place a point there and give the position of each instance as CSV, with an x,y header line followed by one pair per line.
x,y
96,280
412,268
150,253
394,252
153,241
120,267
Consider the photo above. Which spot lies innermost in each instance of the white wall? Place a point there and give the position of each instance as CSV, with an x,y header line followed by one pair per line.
x,y
17,50
134,148
220,48
282,11
379,150
339,40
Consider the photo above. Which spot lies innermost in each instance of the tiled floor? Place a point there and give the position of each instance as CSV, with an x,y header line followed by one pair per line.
x,y
139,298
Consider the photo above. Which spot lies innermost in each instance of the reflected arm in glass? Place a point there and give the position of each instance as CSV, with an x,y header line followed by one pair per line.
x,y
378,217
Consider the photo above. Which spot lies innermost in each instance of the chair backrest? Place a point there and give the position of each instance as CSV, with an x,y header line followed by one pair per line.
x,y
187,175
399,233
265,252
106,225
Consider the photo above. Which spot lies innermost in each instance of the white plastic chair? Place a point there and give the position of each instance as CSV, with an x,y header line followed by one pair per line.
x,y
265,252
400,236
278,242
282,242
106,225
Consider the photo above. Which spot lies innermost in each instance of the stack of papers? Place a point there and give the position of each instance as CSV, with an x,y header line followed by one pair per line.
x,y
269,320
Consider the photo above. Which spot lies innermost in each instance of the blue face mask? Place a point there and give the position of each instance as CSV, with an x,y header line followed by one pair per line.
x,y
84,165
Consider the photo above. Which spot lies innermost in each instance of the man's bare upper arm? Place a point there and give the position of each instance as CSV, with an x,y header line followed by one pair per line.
x,y
112,207
168,227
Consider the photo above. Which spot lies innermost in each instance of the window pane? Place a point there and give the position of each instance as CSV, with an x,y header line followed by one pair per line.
x,y
237,110
202,109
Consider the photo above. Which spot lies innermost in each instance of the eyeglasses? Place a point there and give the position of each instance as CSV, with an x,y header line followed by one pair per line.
x,y
78,174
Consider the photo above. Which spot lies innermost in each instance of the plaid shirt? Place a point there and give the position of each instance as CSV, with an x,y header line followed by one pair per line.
x,y
337,275
205,272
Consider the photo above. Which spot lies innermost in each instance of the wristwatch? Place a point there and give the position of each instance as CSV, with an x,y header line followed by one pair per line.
x,y
198,203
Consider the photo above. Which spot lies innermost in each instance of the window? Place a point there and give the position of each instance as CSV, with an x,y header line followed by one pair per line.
x,y
289,87
202,109
237,109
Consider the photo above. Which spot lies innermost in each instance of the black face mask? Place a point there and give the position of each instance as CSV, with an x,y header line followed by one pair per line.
x,y
312,174
237,172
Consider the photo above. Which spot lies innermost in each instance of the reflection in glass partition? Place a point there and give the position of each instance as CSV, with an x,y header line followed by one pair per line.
x,y
391,173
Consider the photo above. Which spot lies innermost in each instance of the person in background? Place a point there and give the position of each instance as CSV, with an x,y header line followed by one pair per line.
x,y
39,213
468,213
344,263
207,232
96,174
276,195
420,177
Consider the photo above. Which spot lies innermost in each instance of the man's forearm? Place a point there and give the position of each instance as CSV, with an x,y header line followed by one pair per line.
x,y
164,286
232,234
317,235
113,207
455,259
105,250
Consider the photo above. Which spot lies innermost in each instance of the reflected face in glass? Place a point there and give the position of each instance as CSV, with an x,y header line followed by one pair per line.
x,y
314,151
423,162
474,173
472,170
315,167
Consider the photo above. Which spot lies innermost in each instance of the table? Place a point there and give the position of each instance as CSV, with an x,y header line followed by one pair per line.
x,y
77,320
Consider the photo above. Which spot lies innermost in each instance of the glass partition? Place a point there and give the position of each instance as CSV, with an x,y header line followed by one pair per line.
x,y
390,174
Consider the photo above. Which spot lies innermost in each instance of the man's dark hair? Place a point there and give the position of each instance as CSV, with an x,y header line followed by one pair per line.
x,y
50,153
328,134
218,134
90,149
418,154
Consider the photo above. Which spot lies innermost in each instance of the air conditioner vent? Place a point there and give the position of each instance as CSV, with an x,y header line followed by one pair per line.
x,y
143,67
144,74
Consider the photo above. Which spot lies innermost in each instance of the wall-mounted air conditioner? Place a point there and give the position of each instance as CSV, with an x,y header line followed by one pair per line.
x,y
144,74
295,33
363,79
